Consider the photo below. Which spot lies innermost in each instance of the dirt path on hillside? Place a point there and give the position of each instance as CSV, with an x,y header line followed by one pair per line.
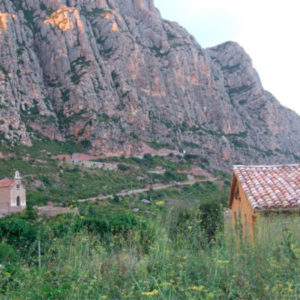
x,y
155,187
51,210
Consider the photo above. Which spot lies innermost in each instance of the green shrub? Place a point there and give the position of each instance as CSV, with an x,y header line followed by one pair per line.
x,y
30,214
190,157
123,167
122,223
92,225
7,254
98,223
116,199
173,176
17,232
212,219
38,198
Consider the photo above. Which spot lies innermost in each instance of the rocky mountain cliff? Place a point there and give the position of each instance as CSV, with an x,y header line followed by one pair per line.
x,y
114,73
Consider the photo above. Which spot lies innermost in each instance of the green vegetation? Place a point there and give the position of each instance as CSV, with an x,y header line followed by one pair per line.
x,y
65,94
3,106
48,179
29,17
106,53
243,101
190,145
104,118
4,71
241,89
151,162
157,51
20,50
175,245
77,67
7,254
95,12
171,252
158,145
43,6
198,192
239,143
231,69
171,36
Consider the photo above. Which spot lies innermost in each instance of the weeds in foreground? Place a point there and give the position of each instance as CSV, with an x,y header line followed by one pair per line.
x,y
168,257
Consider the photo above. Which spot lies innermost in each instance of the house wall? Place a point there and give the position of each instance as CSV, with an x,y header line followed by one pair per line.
x,y
4,199
243,215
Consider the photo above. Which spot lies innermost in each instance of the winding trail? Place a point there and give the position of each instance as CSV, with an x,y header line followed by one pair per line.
x,y
51,210
155,187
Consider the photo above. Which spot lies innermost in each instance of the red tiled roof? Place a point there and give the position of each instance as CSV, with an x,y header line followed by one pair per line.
x,y
270,187
6,182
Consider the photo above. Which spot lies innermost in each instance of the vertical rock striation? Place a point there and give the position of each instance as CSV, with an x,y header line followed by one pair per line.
x,y
115,73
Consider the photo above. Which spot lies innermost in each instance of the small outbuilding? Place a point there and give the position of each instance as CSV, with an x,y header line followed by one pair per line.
x,y
12,195
257,191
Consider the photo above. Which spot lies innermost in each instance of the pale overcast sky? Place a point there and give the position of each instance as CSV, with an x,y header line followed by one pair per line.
x,y
268,31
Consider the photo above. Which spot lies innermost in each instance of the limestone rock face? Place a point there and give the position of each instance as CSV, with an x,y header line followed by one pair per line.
x,y
115,73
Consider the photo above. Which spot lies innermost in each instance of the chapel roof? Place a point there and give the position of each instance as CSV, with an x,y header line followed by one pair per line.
x,y
6,182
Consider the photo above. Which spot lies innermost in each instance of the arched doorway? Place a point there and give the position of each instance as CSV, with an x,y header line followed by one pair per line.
x,y
18,201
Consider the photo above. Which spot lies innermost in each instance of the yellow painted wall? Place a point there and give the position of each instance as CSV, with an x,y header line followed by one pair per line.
x,y
243,215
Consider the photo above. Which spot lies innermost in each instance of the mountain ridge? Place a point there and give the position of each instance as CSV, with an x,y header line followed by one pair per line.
x,y
117,75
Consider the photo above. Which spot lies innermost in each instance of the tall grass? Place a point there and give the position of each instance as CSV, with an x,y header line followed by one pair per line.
x,y
165,260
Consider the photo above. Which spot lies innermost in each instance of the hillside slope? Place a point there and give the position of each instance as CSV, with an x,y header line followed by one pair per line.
x,y
115,74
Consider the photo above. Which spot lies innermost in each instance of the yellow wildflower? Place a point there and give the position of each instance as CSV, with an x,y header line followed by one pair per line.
x,y
197,288
160,203
152,293
210,295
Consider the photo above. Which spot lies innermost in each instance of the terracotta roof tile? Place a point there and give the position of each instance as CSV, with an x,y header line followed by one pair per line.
x,y
270,187
6,182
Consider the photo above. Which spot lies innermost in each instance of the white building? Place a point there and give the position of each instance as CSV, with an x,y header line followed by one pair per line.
x,y
12,194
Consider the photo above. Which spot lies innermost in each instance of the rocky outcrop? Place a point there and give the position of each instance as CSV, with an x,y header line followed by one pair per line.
x,y
113,72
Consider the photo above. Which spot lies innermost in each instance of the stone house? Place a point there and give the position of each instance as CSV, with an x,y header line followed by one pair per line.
x,y
257,192
12,195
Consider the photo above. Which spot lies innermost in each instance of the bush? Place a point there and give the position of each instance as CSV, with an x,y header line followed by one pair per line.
x,y
116,199
122,223
190,157
115,224
174,176
58,226
7,254
30,214
212,219
37,198
92,225
17,233
123,167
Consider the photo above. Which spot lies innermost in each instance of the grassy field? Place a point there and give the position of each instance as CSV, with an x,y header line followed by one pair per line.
x,y
164,251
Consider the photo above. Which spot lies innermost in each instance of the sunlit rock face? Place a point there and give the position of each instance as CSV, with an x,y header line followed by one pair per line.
x,y
115,73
